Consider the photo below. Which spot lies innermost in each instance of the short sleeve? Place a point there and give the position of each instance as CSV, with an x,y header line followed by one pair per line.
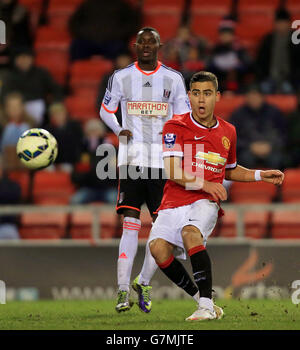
x,y
172,141
181,100
231,160
112,95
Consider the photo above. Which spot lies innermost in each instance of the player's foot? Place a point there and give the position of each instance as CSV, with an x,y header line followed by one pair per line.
x,y
123,302
202,314
219,312
145,303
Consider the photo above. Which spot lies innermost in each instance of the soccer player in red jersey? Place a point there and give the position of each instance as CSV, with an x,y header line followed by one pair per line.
x,y
199,152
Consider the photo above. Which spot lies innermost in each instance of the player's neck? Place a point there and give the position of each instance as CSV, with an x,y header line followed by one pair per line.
x,y
208,122
149,66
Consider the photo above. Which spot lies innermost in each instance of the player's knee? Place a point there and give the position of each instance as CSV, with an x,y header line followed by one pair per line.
x,y
191,235
159,250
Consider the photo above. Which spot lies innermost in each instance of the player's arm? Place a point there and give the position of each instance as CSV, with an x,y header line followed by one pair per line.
x,y
175,173
109,107
242,174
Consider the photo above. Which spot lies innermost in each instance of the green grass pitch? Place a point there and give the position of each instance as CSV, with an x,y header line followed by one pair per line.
x,y
165,315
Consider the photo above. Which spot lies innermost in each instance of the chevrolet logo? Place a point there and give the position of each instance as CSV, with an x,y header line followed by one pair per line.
x,y
211,158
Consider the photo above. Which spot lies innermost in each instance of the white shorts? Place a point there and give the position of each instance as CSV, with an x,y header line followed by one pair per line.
x,y
202,214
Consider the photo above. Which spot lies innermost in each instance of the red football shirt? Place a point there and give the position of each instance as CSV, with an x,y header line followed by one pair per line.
x,y
205,152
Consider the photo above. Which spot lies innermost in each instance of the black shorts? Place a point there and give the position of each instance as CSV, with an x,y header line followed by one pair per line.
x,y
133,193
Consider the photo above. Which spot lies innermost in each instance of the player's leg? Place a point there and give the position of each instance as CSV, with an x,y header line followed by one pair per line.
x,y
162,252
194,237
129,203
141,284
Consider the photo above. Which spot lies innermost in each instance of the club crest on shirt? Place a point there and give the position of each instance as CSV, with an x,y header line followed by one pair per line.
x,y
169,140
226,142
167,93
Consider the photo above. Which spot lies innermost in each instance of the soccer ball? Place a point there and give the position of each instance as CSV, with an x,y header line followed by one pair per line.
x,y
37,148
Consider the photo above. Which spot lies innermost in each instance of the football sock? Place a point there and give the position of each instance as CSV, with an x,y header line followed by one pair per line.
x,y
201,266
127,251
148,269
176,272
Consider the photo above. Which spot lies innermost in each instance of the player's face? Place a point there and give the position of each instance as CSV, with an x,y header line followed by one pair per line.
x,y
147,46
203,97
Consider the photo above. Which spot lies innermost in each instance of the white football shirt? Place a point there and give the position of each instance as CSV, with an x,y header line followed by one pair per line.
x,y
148,100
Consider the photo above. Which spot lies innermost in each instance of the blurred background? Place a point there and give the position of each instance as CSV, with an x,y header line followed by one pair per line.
x,y
54,70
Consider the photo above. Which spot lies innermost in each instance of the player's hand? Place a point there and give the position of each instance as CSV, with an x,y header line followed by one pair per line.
x,y
274,177
217,190
125,133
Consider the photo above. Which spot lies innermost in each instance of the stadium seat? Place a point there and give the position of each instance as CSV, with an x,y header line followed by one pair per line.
x,y
56,62
82,108
206,25
52,187
257,5
227,105
23,179
286,103
81,225
52,38
35,8
43,226
252,192
59,12
88,73
166,19
256,224
253,26
285,224
290,189
212,6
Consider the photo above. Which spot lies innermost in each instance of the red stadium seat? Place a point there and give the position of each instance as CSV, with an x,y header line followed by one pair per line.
x,y
88,73
256,224
285,224
258,5
252,192
43,226
59,12
23,179
52,187
286,103
52,38
35,8
81,225
212,6
56,62
206,25
82,108
227,105
290,189
166,19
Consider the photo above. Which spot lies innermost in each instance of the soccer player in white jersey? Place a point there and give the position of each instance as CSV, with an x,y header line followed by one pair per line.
x,y
149,94
199,152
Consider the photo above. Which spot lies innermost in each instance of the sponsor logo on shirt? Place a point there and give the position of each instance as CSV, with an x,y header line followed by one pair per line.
x,y
211,158
170,140
152,109
107,98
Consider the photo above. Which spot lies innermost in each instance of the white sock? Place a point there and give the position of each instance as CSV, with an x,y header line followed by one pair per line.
x,y
197,297
127,251
148,269
206,303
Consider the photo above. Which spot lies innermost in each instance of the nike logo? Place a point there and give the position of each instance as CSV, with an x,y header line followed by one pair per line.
x,y
198,138
193,220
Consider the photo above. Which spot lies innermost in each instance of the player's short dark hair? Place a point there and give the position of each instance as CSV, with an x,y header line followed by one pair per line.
x,y
149,29
204,76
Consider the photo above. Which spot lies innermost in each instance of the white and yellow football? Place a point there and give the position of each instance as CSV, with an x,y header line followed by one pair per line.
x,y
37,148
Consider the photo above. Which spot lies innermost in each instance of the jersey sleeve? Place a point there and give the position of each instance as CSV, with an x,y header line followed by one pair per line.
x,y
172,141
112,95
231,160
181,99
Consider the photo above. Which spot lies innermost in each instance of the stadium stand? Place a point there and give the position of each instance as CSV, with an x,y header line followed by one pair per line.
x,y
47,226
81,80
